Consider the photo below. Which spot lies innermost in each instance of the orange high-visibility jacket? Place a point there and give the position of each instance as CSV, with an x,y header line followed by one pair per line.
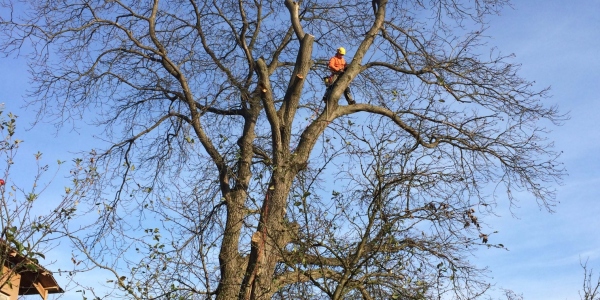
x,y
337,63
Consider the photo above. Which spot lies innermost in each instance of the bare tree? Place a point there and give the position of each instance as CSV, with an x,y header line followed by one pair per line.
x,y
224,175
590,288
510,295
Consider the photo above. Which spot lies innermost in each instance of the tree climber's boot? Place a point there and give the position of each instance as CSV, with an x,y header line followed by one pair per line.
x,y
348,97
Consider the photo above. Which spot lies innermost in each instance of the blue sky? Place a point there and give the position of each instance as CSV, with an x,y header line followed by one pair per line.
x,y
558,45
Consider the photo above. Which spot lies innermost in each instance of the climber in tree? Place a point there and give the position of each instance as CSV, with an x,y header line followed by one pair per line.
x,y
337,65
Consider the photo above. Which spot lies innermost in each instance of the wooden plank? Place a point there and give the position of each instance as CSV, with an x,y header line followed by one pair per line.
x,y
41,290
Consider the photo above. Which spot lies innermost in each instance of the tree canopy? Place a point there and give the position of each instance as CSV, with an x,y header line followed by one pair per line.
x,y
222,174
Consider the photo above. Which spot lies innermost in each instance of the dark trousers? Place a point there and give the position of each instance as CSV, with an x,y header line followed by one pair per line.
x,y
347,94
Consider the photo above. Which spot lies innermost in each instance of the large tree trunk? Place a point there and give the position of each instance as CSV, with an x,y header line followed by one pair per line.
x,y
230,260
268,241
